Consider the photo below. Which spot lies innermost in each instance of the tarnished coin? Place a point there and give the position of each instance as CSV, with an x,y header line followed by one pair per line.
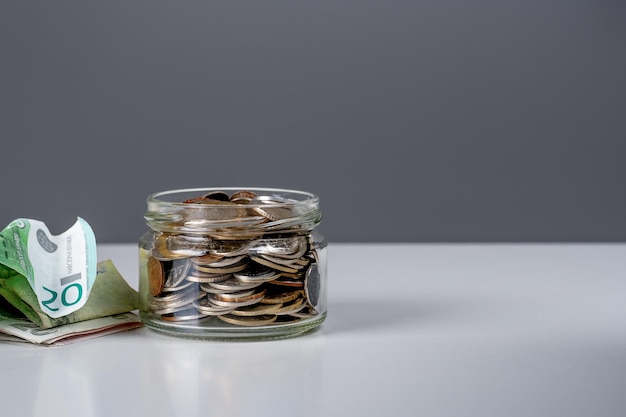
x,y
248,321
156,277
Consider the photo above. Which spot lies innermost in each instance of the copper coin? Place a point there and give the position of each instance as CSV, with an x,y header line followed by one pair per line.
x,y
156,276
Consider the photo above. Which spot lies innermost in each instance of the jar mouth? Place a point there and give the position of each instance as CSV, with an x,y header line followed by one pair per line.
x,y
232,211
290,197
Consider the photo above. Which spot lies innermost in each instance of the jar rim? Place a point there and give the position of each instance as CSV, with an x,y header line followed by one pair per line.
x,y
296,197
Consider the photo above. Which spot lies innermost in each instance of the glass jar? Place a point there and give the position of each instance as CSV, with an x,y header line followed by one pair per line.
x,y
232,263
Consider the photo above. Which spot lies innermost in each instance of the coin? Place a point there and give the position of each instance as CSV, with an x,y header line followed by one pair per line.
x,y
205,307
198,276
250,300
281,298
257,275
177,272
290,248
233,284
217,261
156,278
248,321
223,270
312,284
273,208
285,282
206,259
256,310
292,307
238,296
161,251
242,196
217,195
270,264
231,247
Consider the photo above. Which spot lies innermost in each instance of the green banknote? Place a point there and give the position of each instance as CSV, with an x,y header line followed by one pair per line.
x,y
109,295
60,269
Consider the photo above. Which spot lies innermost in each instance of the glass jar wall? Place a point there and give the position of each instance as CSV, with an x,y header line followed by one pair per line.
x,y
232,263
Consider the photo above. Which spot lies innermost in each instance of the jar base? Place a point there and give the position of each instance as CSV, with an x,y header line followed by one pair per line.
x,y
229,333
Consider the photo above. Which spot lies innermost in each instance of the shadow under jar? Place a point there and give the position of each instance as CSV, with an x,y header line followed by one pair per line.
x,y
232,263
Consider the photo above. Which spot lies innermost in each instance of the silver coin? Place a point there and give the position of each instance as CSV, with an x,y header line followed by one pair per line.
x,y
235,284
231,247
312,285
234,296
197,276
204,306
256,275
179,287
177,272
239,266
286,247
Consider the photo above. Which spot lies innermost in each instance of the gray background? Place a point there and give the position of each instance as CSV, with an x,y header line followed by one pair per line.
x,y
426,121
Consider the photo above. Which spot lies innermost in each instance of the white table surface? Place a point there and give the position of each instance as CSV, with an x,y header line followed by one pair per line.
x,y
412,330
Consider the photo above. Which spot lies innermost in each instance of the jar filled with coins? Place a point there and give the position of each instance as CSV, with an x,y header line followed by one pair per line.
x,y
232,263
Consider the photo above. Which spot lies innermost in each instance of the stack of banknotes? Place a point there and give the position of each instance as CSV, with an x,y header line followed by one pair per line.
x,y
52,290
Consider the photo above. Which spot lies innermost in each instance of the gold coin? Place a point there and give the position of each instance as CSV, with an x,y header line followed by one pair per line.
x,y
248,321
156,276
